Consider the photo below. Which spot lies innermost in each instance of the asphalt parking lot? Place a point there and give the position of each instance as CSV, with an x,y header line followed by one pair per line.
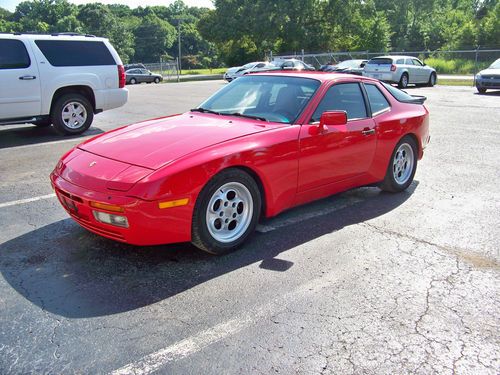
x,y
363,282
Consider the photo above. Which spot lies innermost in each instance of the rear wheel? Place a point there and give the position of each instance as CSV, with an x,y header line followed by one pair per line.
x,y
72,114
402,166
133,81
226,212
403,81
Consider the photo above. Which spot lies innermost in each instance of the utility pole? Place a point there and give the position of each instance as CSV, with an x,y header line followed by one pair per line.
x,y
179,42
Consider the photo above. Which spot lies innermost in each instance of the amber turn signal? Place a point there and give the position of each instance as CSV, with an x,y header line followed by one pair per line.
x,y
108,207
176,203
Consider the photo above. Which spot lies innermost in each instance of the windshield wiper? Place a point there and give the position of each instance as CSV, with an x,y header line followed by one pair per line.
x,y
247,116
204,110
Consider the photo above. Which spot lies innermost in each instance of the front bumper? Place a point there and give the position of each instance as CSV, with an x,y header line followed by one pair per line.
x,y
488,82
148,224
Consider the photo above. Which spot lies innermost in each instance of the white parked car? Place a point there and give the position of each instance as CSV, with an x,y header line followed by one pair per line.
x,y
60,79
239,71
402,70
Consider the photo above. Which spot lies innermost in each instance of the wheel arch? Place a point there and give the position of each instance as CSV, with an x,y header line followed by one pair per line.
x,y
78,89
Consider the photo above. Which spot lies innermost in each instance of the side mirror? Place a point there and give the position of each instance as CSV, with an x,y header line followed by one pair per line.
x,y
332,118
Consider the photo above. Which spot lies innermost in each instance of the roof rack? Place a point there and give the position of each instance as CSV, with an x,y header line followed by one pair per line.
x,y
51,34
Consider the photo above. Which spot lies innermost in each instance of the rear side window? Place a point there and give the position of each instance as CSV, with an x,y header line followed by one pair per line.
x,y
75,53
13,54
400,61
378,102
342,97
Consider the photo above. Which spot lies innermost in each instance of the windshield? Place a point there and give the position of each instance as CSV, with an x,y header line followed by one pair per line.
x,y
248,66
348,64
495,65
270,98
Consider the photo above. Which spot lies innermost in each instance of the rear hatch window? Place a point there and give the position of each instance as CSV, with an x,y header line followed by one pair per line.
x,y
380,61
402,96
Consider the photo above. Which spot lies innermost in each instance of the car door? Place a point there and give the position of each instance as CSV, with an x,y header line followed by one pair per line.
x,y
421,71
20,93
339,152
413,72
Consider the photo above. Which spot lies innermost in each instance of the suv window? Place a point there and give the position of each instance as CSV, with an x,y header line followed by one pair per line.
x,y
377,100
75,53
13,54
342,97
400,61
409,62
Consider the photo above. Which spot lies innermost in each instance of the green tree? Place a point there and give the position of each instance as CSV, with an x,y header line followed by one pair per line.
x,y
153,38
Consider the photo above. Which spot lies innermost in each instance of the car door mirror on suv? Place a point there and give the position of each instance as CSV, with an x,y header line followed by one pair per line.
x,y
332,118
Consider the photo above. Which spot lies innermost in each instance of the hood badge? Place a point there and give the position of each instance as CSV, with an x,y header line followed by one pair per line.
x,y
92,164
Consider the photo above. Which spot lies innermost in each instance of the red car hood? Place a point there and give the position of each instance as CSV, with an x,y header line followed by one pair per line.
x,y
155,143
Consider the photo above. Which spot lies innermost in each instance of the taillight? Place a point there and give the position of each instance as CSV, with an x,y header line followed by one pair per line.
x,y
121,76
393,68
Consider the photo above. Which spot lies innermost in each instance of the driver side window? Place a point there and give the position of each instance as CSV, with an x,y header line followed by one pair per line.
x,y
342,97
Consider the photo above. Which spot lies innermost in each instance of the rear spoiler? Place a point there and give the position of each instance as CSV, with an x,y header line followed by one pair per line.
x,y
415,99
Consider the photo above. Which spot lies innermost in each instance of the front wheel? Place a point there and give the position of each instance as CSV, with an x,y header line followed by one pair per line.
x,y
402,166
226,212
481,90
432,80
157,80
72,114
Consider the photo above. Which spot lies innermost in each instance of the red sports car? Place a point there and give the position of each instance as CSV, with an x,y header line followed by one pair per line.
x,y
260,145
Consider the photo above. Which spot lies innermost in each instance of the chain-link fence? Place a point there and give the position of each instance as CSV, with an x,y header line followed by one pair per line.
x,y
168,69
445,62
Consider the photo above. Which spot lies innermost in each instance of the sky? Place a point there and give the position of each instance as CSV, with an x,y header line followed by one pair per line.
x,y
11,4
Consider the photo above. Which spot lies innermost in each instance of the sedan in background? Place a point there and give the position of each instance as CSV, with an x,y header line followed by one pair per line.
x,y
134,76
403,70
347,66
488,78
261,145
292,64
239,71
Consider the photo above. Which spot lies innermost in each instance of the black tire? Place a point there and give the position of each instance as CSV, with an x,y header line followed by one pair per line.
x,y
201,236
390,183
481,90
57,114
403,83
157,80
133,81
432,80
46,122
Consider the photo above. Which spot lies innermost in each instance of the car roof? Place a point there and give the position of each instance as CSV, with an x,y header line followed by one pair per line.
x,y
318,75
61,36
394,57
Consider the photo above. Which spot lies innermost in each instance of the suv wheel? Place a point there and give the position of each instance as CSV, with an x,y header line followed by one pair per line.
x,y
72,114
403,82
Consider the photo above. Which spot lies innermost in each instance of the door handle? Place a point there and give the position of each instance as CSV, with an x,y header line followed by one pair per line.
x,y
25,78
368,131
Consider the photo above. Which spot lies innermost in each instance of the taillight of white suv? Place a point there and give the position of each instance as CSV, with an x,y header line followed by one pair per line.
x,y
121,76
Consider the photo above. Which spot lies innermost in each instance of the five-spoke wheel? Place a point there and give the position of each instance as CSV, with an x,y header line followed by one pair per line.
x,y
402,166
226,212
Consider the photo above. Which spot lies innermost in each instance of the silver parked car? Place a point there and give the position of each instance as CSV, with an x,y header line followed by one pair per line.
x,y
239,71
489,78
402,70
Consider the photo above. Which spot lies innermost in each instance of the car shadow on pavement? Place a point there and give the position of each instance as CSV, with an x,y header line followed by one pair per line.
x,y
30,135
70,272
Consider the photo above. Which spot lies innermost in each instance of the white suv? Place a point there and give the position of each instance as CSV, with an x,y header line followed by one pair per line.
x,y
60,79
